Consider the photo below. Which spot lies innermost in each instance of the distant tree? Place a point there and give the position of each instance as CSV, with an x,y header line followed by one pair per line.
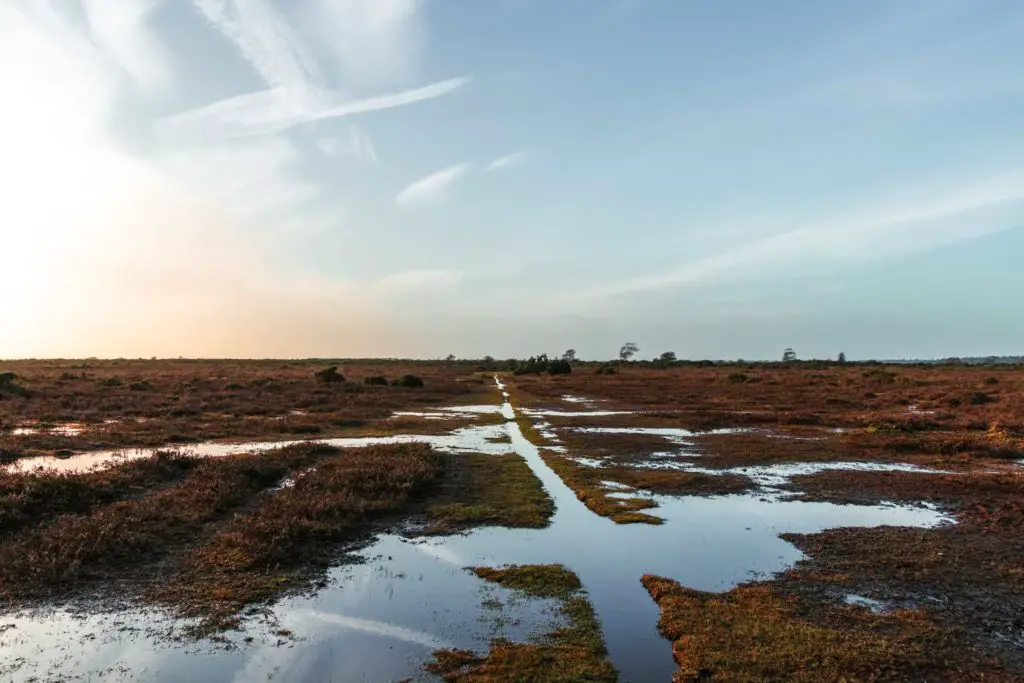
x,y
788,356
569,356
842,357
667,357
450,357
628,350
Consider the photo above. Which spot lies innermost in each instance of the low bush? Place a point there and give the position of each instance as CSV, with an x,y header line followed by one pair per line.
x,y
376,381
408,381
559,367
329,375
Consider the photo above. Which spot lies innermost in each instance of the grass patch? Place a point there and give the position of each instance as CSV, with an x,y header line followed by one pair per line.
x,y
754,633
293,532
489,489
31,498
537,580
573,653
114,539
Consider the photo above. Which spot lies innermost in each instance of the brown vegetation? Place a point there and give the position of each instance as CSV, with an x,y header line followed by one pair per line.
x,y
756,633
155,403
586,482
294,532
111,541
32,498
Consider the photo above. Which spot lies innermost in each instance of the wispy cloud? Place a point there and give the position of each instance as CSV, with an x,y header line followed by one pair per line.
x,y
121,29
886,231
374,42
266,41
508,160
432,188
272,111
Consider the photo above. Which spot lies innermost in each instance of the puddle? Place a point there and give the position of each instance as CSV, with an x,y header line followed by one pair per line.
x,y
65,429
876,606
589,462
665,455
580,400
775,476
478,439
380,620
540,412
675,436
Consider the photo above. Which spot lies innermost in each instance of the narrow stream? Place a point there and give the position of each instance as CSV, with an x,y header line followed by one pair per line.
x,y
381,618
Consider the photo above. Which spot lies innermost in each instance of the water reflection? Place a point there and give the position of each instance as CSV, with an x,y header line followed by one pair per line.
x,y
381,618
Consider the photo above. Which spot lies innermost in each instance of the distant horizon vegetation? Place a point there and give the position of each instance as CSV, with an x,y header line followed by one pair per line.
x,y
664,359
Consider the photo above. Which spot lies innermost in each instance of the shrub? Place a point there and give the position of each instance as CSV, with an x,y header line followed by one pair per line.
x,y
7,377
66,376
111,382
233,386
606,370
559,367
979,398
408,381
376,381
329,375
533,365
141,385
991,380
738,377
954,403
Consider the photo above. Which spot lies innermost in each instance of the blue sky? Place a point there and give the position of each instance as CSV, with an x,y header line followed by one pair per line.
x,y
506,177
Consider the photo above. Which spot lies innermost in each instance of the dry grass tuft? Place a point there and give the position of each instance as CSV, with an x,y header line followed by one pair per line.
x,y
294,532
754,633
111,540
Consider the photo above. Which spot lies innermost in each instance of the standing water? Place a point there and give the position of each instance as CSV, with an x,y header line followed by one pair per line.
x,y
382,616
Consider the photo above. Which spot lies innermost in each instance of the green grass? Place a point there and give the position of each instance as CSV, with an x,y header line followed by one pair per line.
x,y
573,653
480,489
537,580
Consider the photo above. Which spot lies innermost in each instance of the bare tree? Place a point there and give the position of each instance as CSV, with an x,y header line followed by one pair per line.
x,y
628,350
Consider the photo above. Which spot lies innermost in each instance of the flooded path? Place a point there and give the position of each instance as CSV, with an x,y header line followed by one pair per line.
x,y
381,619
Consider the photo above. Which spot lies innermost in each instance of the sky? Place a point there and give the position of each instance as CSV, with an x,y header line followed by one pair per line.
x,y
414,178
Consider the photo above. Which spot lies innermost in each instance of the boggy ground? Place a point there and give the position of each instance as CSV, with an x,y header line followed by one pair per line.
x,y
573,651
104,404
208,537
950,598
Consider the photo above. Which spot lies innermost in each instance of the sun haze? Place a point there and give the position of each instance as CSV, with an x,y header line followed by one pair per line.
x,y
417,178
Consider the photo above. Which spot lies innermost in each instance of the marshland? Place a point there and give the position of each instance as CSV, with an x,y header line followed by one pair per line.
x,y
486,521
